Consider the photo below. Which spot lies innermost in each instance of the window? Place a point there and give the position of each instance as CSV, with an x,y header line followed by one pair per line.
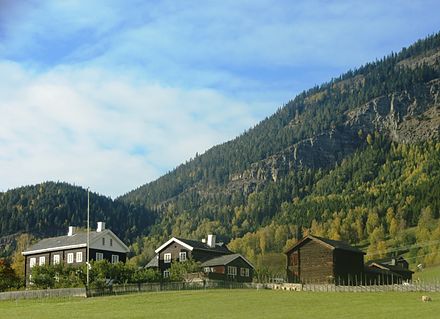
x,y
244,272
167,258
115,259
232,270
32,262
103,241
182,256
70,258
99,256
56,259
41,260
79,256
166,273
111,242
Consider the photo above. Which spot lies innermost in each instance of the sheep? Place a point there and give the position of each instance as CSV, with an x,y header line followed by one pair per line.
x,y
426,298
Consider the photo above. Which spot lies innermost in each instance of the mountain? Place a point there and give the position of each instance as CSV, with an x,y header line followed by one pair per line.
x,y
336,138
48,209
357,158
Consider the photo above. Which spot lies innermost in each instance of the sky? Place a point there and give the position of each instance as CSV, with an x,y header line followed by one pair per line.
x,y
113,94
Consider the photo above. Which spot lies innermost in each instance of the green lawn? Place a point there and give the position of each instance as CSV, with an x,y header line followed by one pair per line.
x,y
230,304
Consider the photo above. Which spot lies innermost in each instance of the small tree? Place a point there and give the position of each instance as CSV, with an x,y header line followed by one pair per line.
x,y
145,275
178,271
43,276
8,277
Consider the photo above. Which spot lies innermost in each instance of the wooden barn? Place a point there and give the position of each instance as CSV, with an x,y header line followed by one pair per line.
x,y
321,260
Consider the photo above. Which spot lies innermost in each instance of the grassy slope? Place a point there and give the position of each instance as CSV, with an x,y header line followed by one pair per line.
x,y
230,304
431,274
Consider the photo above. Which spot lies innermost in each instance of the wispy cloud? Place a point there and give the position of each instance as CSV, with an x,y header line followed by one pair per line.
x,y
91,127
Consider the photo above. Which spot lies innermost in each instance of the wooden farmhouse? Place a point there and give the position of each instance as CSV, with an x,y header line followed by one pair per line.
x,y
321,260
217,261
72,249
233,267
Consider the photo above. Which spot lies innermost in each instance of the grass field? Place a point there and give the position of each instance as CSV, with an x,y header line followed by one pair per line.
x,y
428,274
230,304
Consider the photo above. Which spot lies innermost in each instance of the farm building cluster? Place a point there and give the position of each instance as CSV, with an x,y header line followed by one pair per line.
x,y
312,259
321,260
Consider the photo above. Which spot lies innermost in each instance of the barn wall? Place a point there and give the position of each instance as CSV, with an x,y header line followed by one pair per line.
x,y
315,262
349,266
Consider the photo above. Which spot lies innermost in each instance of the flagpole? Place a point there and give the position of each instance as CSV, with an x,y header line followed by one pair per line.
x,y
88,237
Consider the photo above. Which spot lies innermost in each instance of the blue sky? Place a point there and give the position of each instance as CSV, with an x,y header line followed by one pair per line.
x,y
113,94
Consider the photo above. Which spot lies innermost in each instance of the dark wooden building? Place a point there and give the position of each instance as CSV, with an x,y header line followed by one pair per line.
x,y
388,270
232,267
217,261
321,260
72,249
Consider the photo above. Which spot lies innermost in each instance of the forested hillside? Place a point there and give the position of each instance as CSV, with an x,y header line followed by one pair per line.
x,y
356,158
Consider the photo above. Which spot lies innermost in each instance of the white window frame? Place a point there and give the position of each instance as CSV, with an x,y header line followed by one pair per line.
x,y
41,260
56,259
115,259
32,262
99,256
111,242
244,272
232,271
103,241
70,258
166,273
167,258
182,256
79,256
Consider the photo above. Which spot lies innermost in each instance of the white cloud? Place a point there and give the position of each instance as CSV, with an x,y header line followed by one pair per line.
x,y
93,128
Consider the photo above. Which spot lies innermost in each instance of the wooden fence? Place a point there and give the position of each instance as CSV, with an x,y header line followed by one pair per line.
x,y
211,284
171,286
405,287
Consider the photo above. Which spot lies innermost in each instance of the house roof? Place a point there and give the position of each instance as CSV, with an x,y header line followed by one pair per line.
x,y
224,260
330,243
387,260
193,244
393,268
379,271
153,263
77,240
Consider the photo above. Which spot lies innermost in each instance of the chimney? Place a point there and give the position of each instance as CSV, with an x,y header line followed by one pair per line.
x,y
71,231
211,241
101,227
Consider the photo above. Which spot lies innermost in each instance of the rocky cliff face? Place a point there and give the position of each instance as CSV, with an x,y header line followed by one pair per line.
x,y
399,115
402,116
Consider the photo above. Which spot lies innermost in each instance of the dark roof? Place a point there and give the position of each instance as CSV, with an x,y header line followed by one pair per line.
x,y
224,260
219,247
153,263
393,268
387,260
63,241
379,271
335,244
